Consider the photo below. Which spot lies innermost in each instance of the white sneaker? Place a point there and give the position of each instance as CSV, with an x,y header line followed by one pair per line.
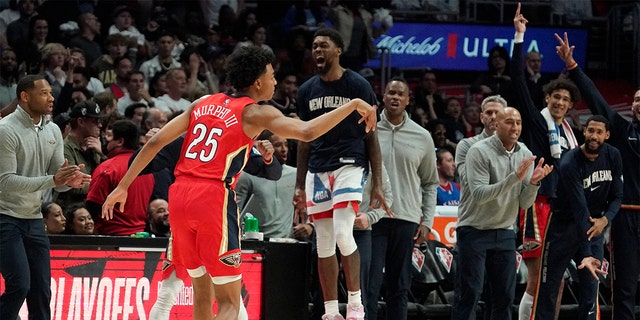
x,y
355,312
332,317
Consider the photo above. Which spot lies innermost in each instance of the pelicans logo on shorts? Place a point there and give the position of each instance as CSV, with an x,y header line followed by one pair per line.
x,y
232,259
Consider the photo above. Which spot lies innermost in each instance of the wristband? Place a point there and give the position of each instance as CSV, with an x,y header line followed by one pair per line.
x,y
267,162
572,66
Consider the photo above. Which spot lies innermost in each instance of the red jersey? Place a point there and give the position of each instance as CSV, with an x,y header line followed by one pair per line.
x,y
104,179
215,145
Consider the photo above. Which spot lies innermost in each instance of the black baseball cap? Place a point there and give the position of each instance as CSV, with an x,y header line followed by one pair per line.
x,y
85,109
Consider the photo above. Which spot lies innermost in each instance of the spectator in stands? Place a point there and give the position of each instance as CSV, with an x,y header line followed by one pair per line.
x,y
124,24
163,61
79,220
161,20
28,49
154,118
305,16
456,130
297,56
497,80
19,29
54,219
123,66
80,94
94,85
81,80
257,37
438,130
54,56
448,190
536,80
227,21
427,96
135,113
198,72
62,121
213,10
176,86
116,45
107,102
122,144
245,19
158,84
8,77
82,147
355,24
8,15
86,38
136,93
471,119
420,116
270,200
158,218
284,96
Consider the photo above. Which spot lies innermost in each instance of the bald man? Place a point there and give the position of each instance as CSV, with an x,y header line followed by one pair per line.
x,y
501,178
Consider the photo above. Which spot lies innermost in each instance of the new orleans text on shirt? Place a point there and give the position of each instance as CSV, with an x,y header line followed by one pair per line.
x,y
597,176
327,102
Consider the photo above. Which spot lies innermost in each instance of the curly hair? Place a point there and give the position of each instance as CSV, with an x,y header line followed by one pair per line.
x,y
247,64
559,84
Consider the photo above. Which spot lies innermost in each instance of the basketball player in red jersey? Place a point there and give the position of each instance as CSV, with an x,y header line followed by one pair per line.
x,y
220,130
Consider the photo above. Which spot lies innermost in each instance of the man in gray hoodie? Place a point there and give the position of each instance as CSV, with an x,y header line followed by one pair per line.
x,y
500,179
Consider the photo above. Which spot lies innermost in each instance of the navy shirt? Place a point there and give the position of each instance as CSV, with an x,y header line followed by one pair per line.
x,y
588,188
344,144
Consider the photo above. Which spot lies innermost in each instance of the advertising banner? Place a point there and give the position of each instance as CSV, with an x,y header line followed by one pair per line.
x,y
123,285
466,47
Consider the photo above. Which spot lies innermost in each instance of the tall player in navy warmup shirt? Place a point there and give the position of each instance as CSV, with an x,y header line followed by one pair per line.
x,y
331,170
589,196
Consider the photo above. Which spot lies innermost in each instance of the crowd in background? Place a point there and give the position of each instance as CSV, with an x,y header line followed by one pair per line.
x,y
146,62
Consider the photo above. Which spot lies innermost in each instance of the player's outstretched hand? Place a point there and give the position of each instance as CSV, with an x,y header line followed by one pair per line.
x,y
369,115
540,171
564,49
117,196
519,22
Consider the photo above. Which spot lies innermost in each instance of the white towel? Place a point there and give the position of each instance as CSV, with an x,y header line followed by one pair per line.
x,y
554,134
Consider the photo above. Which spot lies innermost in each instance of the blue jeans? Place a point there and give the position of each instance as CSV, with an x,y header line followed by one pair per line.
x,y
392,247
484,252
26,267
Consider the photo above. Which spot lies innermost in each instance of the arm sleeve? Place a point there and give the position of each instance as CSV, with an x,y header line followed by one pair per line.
x,y
10,180
615,193
429,181
257,167
461,154
572,182
478,178
524,103
596,103
376,214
